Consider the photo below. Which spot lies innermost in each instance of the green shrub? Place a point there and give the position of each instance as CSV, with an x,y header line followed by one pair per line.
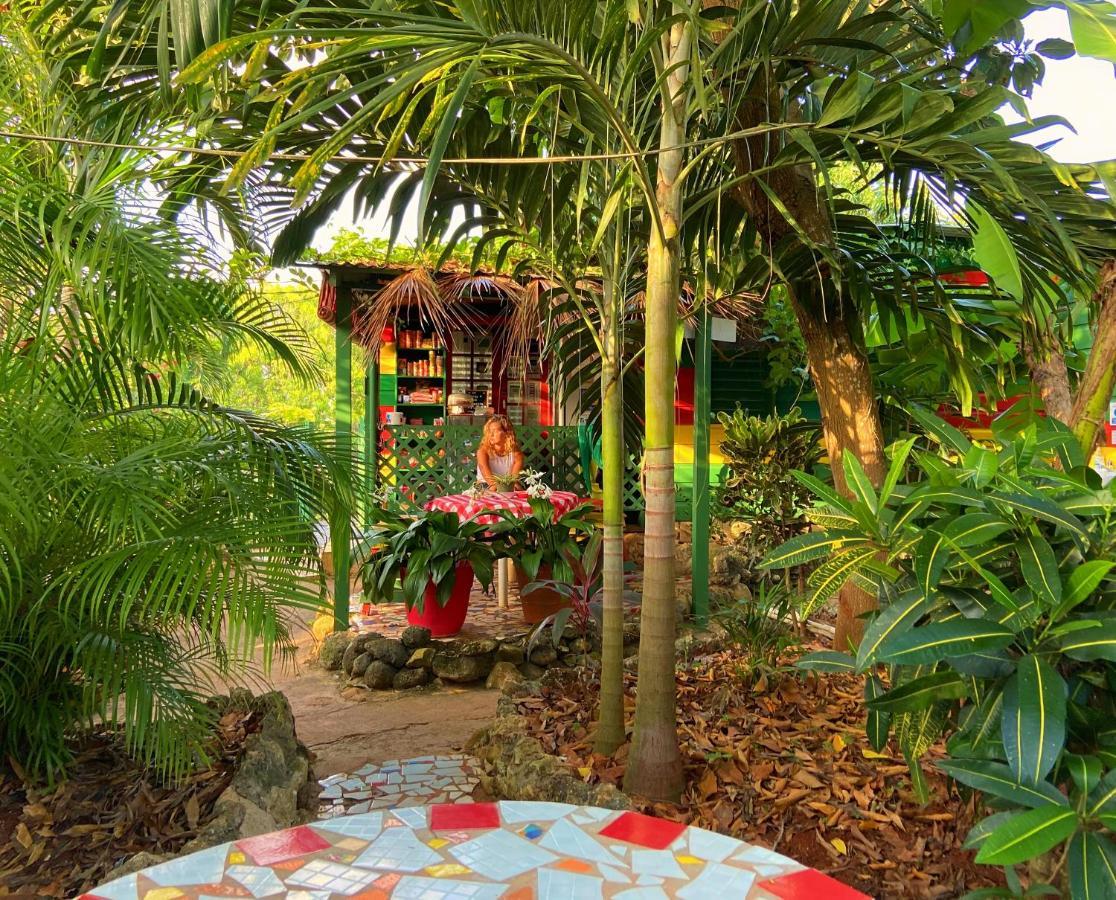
x,y
997,627
762,454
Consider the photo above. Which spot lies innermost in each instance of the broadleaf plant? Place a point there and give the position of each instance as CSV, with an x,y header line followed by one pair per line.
x,y
996,629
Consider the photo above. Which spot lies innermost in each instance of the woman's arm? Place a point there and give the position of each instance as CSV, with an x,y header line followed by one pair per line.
x,y
482,464
517,463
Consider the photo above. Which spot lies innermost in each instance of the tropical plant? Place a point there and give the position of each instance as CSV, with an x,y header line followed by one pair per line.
x,y
418,552
763,625
994,574
151,540
762,454
541,540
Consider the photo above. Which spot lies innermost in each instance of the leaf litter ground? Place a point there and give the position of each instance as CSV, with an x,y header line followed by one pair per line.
x,y
782,761
60,842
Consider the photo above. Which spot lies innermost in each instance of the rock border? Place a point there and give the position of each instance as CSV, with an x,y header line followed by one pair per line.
x,y
274,786
516,767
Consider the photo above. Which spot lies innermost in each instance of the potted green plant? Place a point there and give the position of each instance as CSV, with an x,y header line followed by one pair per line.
x,y
544,548
435,557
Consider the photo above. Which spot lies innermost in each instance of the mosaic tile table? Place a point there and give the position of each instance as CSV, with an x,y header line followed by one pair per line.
x,y
484,851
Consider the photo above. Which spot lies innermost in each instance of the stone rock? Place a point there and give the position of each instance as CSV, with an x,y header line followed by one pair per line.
x,y
390,651
570,632
738,529
405,679
729,566
503,675
423,658
544,655
631,632
360,664
683,560
350,654
512,653
579,645
480,647
462,669
633,548
571,660
333,648
532,672
415,636
379,676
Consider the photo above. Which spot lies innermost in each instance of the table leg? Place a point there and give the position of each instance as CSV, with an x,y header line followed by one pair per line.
x,y
502,583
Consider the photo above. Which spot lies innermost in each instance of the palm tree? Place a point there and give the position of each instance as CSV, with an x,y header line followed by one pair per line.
x,y
150,540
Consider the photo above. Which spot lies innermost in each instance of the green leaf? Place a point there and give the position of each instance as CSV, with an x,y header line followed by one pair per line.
x,y
939,429
807,547
878,722
995,253
1093,26
826,661
1082,581
846,99
1084,770
891,621
940,640
930,560
982,463
859,483
1095,642
1092,867
1042,509
970,529
1102,800
921,692
1055,48
1040,568
1027,835
1033,723
998,780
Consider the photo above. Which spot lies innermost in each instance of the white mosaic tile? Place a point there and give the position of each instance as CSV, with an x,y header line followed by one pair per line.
x,y
709,845
259,880
501,855
557,884
397,849
565,837
337,878
646,893
656,862
204,867
533,811
412,816
366,826
413,887
614,875
716,882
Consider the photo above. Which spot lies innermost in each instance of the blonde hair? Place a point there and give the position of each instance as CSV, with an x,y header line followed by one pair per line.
x,y
503,423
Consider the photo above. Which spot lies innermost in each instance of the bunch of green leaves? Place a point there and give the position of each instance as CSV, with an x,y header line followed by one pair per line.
x,y
762,625
543,541
996,626
421,551
762,454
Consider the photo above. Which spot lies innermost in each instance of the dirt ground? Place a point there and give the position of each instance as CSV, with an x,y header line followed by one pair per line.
x,y
345,732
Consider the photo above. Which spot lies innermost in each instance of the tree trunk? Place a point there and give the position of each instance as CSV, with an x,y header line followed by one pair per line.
x,y
1090,407
851,424
610,713
655,764
1046,363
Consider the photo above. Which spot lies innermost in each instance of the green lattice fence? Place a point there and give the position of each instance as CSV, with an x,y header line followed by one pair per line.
x,y
425,461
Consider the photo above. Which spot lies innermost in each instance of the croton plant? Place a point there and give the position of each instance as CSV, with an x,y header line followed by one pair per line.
x,y
996,629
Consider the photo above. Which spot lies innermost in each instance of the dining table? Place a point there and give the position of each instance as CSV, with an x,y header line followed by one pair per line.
x,y
486,507
508,850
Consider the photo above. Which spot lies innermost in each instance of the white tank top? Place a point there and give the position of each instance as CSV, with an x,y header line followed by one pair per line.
x,y
498,465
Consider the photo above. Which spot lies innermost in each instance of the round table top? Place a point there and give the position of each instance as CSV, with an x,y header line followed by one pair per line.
x,y
480,508
512,850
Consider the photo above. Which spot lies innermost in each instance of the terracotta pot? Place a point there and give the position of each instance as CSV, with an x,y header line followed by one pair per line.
x,y
445,621
541,602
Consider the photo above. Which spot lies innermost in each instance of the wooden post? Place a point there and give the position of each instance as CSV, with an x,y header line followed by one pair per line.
x,y
699,552
371,430
341,527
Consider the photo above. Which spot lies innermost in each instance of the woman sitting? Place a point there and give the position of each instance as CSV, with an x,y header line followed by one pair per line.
x,y
499,457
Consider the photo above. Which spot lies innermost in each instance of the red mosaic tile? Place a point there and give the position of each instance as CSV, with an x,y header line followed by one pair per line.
x,y
387,882
282,845
810,884
523,893
451,816
647,831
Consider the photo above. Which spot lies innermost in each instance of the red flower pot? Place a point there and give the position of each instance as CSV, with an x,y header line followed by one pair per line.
x,y
445,621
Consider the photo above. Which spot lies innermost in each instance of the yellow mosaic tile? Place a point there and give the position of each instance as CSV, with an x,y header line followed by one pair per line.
x,y
689,860
448,870
163,893
437,843
351,844
236,858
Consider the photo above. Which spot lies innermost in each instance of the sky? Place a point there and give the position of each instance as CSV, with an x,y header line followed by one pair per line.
x,y
1083,91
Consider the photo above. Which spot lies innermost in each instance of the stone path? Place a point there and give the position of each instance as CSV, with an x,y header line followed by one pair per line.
x,y
484,851
399,783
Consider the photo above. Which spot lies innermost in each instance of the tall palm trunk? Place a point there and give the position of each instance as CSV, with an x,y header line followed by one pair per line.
x,y
1047,364
655,765
610,714
1090,407
851,424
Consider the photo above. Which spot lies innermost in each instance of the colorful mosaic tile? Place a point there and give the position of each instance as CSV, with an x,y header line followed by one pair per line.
x,y
400,783
481,852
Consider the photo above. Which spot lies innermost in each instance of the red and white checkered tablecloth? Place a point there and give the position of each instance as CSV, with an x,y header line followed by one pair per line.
x,y
518,502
